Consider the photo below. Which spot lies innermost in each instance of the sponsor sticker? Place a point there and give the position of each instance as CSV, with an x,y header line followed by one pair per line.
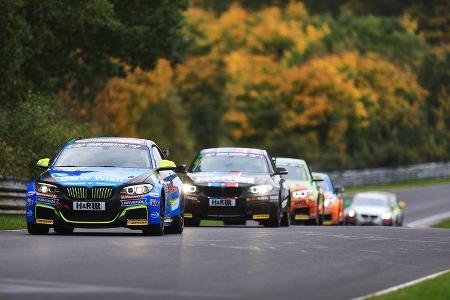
x,y
154,215
47,201
222,202
188,215
301,217
154,203
29,213
132,202
88,205
44,221
137,222
261,217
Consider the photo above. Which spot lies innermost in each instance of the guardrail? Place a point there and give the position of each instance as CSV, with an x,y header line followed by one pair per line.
x,y
12,192
12,196
389,175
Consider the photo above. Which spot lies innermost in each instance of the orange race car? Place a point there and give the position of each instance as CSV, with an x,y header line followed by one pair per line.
x,y
333,203
306,200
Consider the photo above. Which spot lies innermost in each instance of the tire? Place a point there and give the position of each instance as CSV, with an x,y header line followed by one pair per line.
x,y
37,229
177,225
234,222
286,219
192,222
157,229
275,218
63,230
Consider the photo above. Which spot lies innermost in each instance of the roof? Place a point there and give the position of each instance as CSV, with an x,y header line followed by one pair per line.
x,y
375,194
288,160
234,149
123,140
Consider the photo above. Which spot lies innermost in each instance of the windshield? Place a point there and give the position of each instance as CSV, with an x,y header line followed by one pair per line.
x,y
325,186
104,155
230,162
363,201
295,172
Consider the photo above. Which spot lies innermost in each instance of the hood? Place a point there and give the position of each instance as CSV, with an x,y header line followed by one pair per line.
x,y
96,176
371,210
240,178
295,185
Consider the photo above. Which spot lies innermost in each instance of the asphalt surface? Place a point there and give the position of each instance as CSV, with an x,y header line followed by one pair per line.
x,y
249,262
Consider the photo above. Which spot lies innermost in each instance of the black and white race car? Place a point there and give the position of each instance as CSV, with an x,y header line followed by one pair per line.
x,y
235,185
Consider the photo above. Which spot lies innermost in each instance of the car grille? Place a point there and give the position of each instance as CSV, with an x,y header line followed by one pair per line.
x,y
212,191
82,192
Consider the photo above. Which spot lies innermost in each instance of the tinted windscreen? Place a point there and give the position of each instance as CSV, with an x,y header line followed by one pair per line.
x,y
230,162
104,155
295,172
363,201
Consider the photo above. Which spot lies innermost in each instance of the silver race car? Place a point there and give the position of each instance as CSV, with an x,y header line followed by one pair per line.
x,y
375,208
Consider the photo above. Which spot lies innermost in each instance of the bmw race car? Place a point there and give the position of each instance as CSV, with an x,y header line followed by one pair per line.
x,y
306,205
333,204
106,182
375,208
235,185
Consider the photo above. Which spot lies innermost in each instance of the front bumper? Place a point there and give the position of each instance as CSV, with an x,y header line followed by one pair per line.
x,y
246,207
303,209
133,213
368,220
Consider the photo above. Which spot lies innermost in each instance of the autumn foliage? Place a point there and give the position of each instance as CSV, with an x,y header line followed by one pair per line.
x,y
276,78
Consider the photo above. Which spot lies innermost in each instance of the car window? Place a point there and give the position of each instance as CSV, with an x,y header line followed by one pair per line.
x,y
370,201
230,162
157,157
295,171
104,155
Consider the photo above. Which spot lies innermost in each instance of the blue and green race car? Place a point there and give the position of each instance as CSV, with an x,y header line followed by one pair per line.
x,y
106,182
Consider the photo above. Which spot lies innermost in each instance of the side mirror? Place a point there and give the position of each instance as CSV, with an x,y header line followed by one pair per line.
x,y
43,163
166,165
338,189
402,204
281,171
317,178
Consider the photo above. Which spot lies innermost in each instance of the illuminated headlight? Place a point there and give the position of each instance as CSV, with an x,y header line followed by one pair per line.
x,y
300,194
261,189
351,213
386,215
136,190
46,189
189,188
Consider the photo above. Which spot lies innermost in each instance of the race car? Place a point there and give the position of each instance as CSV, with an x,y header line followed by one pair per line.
x,y
375,208
333,202
306,201
235,185
106,182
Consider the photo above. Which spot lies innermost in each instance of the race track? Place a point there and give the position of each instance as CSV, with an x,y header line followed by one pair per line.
x,y
299,262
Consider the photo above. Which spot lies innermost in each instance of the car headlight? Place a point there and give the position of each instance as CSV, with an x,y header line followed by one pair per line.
x,y
261,189
137,190
301,194
386,215
46,189
189,188
351,213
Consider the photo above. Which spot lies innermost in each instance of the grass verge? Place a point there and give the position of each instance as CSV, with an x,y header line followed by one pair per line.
x,y
12,222
399,185
443,224
437,288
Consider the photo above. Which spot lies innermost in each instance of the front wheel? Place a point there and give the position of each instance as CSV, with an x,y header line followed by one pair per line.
x,y
177,225
37,229
275,218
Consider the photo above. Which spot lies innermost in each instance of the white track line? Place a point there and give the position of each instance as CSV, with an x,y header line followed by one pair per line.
x,y
428,221
403,285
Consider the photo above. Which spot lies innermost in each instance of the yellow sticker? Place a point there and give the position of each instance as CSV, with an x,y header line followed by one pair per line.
x,y
137,222
301,217
44,221
327,222
188,215
259,217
